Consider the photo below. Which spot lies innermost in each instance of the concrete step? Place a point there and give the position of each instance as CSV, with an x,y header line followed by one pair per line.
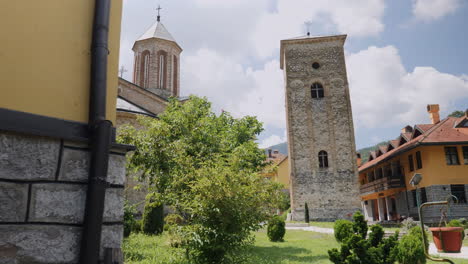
x,y
297,224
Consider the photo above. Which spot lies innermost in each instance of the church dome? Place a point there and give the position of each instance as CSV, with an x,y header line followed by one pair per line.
x,y
157,30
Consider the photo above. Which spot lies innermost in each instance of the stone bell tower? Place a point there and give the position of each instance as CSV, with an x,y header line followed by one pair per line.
x,y
322,151
157,61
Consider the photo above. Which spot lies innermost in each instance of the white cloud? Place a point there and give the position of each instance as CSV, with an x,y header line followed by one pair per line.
x,y
383,93
234,88
221,79
272,140
429,10
356,18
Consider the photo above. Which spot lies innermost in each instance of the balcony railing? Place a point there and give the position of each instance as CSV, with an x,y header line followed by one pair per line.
x,y
382,185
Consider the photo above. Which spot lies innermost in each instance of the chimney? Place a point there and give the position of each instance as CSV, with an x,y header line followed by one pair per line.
x,y
359,160
269,153
407,129
433,110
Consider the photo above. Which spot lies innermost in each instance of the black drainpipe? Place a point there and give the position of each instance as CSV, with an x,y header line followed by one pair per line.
x,y
100,141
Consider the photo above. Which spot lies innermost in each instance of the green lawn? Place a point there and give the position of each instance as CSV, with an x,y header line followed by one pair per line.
x,y
299,247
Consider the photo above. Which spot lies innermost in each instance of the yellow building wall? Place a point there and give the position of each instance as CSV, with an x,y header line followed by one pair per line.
x,y
435,170
45,57
283,173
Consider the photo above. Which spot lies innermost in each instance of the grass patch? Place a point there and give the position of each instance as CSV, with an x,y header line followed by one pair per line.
x,y
145,249
300,247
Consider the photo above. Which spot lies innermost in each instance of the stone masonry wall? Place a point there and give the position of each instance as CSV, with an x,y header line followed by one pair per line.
x,y
320,124
438,193
137,95
43,185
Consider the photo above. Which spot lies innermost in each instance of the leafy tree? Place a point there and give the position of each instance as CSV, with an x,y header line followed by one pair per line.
x,y
285,202
457,114
207,167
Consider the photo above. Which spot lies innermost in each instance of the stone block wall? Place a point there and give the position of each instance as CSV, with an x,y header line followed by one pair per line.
x,y
43,184
438,193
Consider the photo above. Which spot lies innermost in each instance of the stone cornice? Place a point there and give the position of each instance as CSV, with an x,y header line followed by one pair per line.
x,y
175,44
308,40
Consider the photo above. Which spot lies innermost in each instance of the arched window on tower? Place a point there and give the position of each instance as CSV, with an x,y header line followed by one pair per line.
x,y
144,69
162,66
175,70
323,159
317,90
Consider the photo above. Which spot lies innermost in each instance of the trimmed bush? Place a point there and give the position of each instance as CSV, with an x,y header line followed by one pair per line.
x,y
276,229
360,224
355,248
306,213
153,218
342,229
410,248
376,235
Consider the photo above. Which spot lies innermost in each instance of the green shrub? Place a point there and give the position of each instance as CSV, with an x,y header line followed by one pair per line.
x,y
457,223
129,219
153,218
176,236
360,224
174,219
410,248
276,229
137,226
285,202
342,229
416,232
464,222
285,214
306,213
376,235
356,249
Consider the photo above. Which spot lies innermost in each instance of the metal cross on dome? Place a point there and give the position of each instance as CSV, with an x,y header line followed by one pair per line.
x,y
159,8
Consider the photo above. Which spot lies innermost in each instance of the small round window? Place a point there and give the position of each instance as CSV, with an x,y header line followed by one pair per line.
x,y
315,65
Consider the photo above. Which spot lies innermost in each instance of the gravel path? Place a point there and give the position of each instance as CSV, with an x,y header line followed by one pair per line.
x,y
432,249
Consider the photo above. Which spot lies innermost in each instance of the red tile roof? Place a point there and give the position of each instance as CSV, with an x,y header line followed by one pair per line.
x,y
395,143
444,131
424,127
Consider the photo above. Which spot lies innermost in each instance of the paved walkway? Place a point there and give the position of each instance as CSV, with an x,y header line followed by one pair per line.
x,y
432,248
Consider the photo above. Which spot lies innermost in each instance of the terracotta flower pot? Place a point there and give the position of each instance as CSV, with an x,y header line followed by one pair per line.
x,y
447,239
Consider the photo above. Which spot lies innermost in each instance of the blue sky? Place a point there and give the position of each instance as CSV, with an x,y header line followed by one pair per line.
x,y
401,55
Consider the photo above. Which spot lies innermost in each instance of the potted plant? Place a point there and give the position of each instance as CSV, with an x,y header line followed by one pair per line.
x,y
448,239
